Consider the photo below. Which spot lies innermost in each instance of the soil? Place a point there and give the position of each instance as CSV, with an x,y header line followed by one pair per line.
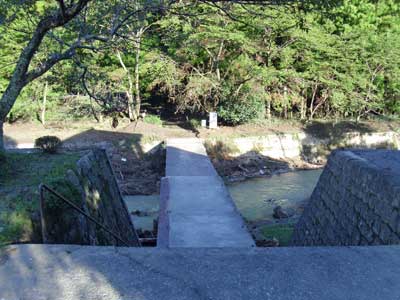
x,y
137,175
254,165
90,132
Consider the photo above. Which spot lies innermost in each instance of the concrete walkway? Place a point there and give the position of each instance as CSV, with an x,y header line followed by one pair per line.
x,y
196,210
66,272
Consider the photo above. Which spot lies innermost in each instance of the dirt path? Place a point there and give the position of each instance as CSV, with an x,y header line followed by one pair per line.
x,y
90,132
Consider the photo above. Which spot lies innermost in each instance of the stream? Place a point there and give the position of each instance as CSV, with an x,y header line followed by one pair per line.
x,y
255,198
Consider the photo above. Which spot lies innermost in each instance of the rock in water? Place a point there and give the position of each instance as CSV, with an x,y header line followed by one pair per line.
x,y
280,213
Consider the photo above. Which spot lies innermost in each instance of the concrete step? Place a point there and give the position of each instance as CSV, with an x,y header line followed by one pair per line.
x,y
64,272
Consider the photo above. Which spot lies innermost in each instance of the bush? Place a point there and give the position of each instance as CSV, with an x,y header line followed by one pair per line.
x,y
48,144
152,119
195,123
240,111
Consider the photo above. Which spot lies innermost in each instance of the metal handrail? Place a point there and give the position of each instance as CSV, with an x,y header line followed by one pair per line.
x,y
43,187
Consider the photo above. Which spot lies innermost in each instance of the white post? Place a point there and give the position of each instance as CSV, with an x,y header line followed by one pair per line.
x,y
213,120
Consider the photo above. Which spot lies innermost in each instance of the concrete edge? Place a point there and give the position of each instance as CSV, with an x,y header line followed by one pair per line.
x,y
350,157
163,218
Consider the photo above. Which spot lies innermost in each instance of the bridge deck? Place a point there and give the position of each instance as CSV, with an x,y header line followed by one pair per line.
x,y
196,209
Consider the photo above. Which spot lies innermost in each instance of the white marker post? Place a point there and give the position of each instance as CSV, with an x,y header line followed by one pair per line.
x,y
213,120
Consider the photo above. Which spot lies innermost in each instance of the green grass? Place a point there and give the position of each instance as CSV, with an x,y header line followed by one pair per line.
x,y
283,233
20,177
33,168
153,119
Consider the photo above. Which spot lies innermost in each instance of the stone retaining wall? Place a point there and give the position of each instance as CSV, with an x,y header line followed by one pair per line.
x,y
306,145
356,201
93,188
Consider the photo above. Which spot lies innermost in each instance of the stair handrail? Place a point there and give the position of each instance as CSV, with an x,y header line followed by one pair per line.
x,y
43,187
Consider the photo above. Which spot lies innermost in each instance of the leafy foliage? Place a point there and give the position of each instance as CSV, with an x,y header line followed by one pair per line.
x,y
152,119
245,62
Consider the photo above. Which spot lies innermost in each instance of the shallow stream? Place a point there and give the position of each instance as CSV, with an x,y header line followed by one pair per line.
x,y
256,198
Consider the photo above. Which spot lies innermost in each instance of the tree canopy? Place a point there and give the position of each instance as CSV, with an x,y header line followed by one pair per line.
x,y
246,61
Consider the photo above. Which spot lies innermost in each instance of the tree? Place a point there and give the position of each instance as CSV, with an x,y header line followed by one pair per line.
x,y
71,25
23,72
75,27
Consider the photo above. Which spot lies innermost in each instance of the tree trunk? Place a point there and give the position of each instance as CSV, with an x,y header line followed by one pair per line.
x,y
269,107
138,101
312,110
286,102
1,137
43,112
303,109
132,116
6,103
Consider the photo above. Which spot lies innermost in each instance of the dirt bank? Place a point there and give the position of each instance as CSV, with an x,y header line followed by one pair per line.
x,y
253,165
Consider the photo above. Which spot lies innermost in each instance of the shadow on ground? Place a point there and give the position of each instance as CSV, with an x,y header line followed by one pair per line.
x,y
9,142
247,165
138,172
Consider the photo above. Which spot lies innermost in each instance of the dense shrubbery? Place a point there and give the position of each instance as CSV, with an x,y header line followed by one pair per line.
x,y
241,111
345,63
49,144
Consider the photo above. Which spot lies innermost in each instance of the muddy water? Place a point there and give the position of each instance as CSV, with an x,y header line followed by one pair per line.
x,y
256,198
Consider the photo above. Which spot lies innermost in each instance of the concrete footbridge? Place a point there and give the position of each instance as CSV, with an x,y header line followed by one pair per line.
x,y
196,209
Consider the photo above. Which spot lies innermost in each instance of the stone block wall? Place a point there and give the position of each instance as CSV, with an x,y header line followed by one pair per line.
x,y
356,201
93,188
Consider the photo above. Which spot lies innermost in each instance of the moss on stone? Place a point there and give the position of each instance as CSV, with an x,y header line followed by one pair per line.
x,y
283,233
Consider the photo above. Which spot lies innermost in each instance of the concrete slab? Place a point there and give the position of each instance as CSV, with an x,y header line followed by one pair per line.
x,y
187,157
199,195
225,230
196,209
56,272
202,214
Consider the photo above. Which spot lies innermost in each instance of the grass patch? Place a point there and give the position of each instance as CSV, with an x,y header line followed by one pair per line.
x,y
283,233
20,177
153,119
20,169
